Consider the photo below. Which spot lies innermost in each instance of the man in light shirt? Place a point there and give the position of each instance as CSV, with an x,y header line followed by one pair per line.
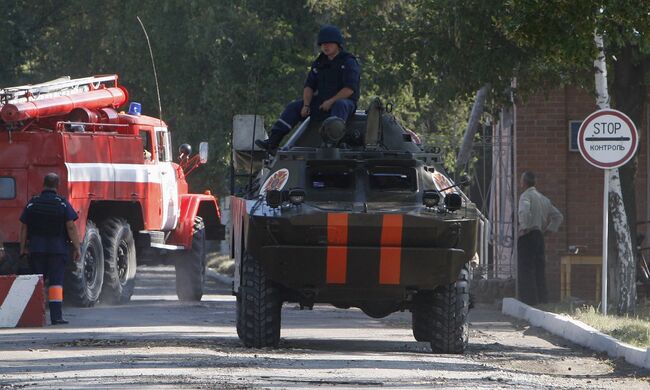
x,y
536,217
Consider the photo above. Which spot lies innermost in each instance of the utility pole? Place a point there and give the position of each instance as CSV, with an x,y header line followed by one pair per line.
x,y
465,151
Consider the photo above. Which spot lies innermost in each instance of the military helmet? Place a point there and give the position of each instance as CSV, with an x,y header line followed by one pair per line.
x,y
330,33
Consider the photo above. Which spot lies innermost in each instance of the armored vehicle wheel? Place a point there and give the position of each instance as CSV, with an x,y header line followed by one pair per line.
x,y
440,316
450,332
120,261
259,314
84,278
190,267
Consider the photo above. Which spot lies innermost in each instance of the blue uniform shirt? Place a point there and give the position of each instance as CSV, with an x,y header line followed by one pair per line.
x,y
44,244
349,69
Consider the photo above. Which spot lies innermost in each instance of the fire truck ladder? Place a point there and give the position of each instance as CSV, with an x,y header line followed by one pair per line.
x,y
58,87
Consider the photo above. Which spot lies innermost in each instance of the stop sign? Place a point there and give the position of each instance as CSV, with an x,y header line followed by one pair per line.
x,y
607,139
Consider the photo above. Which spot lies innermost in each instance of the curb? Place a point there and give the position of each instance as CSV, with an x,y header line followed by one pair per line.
x,y
577,332
214,275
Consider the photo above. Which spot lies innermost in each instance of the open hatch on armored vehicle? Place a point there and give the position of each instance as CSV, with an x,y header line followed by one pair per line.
x,y
354,215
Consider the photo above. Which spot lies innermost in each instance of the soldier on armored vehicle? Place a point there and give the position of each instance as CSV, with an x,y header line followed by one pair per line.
x,y
331,89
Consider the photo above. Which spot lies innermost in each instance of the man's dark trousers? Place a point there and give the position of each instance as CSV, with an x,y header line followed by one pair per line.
x,y
531,268
52,266
290,117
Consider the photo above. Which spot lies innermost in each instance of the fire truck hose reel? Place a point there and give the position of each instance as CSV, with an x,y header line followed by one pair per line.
x,y
62,105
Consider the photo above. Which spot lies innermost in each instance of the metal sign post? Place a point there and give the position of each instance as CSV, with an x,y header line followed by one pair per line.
x,y
607,139
603,284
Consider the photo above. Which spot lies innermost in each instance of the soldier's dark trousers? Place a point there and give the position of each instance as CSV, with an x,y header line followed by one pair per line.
x,y
52,266
531,268
291,116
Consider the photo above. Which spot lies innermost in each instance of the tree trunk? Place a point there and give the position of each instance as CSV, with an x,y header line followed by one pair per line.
x,y
620,255
629,94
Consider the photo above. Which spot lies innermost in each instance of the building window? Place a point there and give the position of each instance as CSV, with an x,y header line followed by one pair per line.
x,y
574,127
7,188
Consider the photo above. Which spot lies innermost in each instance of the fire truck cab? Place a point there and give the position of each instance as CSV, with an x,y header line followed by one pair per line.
x,y
117,171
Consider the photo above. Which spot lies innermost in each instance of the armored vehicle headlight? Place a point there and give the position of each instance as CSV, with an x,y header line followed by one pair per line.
x,y
296,196
453,201
431,198
274,198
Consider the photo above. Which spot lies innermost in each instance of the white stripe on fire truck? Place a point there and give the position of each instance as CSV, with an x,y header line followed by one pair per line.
x,y
121,173
14,304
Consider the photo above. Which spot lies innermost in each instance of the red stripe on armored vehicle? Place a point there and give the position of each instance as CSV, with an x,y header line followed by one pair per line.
x,y
391,249
337,250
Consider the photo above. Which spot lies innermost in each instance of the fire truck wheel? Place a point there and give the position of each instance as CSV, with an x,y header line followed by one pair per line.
x,y
190,267
120,260
259,316
83,280
449,328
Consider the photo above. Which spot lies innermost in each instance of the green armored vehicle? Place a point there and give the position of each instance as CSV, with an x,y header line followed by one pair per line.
x,y
351,214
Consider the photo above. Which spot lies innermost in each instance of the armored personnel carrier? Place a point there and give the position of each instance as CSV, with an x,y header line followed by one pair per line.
x,y
351,214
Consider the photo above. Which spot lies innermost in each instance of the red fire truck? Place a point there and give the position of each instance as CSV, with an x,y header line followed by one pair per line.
x,y
116,170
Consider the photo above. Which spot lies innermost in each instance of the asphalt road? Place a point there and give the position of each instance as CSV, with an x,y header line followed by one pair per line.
x,y
158,342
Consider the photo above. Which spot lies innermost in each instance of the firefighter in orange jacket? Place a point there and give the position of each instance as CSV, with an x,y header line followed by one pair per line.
x,y
47,225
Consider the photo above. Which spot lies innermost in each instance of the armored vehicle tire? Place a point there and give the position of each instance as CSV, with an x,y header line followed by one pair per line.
x,y
440,316
84,278
120,260
450,332
259,313
190,267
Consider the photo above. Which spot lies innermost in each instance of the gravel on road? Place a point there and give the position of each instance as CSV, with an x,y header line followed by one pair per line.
x,y
155,341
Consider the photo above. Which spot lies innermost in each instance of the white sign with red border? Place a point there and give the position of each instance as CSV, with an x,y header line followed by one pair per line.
x,y
607,139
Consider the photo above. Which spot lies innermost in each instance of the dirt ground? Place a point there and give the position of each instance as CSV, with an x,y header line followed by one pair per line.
x,y
158,342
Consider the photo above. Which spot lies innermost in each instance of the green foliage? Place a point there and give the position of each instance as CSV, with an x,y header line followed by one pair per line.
x,y
217,59
214,59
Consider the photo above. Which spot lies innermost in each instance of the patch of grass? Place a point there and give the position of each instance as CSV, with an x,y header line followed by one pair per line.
x,y
634,330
